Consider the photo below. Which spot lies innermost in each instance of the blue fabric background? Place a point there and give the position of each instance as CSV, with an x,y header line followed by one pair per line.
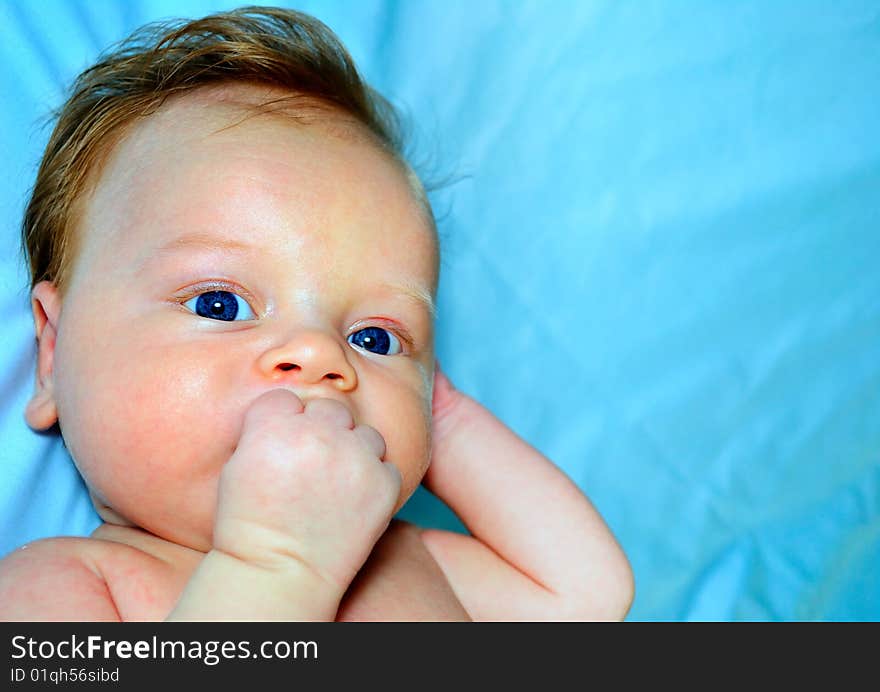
x,y
661,228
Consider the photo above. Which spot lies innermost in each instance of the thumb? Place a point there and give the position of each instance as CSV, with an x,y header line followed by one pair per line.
x,y
449,433
445,398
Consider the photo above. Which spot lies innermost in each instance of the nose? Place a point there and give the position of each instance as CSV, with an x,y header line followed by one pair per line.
x,y
310,357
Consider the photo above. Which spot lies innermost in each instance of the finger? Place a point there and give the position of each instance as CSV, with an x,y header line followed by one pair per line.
x,y
275,401
394,474
332,412
446,396
372,438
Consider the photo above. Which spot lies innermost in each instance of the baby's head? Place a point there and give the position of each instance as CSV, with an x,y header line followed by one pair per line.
x,y
224,210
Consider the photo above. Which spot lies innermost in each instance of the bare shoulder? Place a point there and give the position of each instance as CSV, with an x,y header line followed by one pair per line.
x,y
54,579
113,575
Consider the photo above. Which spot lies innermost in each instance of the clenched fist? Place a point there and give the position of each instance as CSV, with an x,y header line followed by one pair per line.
x,y
305,488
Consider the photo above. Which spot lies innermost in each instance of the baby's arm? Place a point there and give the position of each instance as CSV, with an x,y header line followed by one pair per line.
x,y
538,550
302,502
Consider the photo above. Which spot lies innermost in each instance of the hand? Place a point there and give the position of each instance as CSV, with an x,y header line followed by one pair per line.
x,y
453,423
537,547
305,488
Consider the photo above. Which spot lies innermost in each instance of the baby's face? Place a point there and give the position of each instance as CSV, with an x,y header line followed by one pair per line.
x,y
217,263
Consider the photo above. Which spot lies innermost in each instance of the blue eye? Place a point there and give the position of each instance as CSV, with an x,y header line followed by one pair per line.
x,y
220,305
376,340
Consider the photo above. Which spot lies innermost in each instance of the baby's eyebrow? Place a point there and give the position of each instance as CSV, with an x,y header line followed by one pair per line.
x,y
416,293
204,240
191,240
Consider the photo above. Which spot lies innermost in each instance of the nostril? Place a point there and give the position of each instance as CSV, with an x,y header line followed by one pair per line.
x,y
288,366
333,376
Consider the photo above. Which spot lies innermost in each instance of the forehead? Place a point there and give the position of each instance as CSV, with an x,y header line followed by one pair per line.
x,y
221,129
206,152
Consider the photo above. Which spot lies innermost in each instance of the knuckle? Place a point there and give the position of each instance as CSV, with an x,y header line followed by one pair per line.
x,y
373,439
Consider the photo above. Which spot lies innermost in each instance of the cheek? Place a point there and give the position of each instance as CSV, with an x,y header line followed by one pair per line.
x,y
405,424
145,422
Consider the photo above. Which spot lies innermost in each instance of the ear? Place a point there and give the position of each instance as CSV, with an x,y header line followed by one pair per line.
x,y
41,412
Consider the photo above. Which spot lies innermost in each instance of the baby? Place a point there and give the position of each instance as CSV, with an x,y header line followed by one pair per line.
x,y
233,276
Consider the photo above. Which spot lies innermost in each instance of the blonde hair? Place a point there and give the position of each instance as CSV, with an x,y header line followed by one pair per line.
x,y
258,45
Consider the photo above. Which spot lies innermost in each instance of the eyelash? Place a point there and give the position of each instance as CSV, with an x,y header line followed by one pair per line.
x,y
402,334
193,291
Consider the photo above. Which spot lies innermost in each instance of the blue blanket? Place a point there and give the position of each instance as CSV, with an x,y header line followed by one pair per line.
x,y
661,238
